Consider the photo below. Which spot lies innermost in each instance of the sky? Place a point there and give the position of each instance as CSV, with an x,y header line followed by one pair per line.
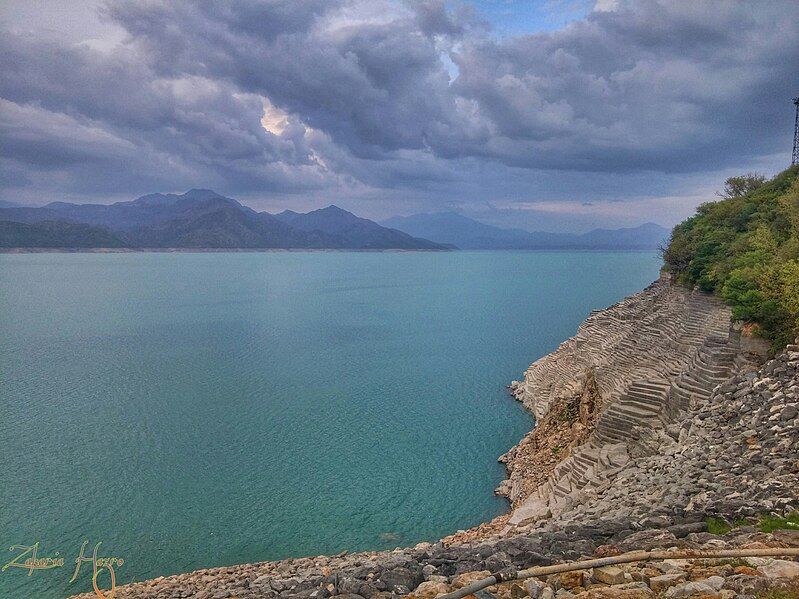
x,y
560,115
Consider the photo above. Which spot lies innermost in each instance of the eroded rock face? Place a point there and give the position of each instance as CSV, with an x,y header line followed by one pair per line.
x,y
644,336
736,458
614,392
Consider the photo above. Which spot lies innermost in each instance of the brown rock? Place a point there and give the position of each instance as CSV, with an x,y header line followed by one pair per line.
x,y
651,572
462,580
705,572
663,582
609,575
517,592
430,590
534,587
789,537
505,590
572,580
607,551
616,593
754,545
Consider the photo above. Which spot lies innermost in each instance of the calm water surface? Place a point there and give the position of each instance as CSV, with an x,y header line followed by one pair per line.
x,y
195,410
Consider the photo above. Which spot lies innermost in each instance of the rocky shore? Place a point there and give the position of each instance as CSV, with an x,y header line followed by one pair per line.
x,y
670,433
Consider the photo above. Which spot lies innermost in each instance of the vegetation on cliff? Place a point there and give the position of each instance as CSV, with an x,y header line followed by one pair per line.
x,y
746,249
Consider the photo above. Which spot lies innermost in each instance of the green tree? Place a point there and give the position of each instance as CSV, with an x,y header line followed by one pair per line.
x,y
741,292
737,187
746,248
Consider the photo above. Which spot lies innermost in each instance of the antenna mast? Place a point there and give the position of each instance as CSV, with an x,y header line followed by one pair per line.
x,y
795,154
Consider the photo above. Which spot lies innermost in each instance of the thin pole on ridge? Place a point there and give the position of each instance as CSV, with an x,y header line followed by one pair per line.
x,y
795,153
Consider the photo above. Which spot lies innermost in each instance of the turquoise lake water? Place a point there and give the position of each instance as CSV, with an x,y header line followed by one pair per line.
x,y
196,410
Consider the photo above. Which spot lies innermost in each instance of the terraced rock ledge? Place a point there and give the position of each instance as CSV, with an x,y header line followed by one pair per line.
x,y
647,358
663,426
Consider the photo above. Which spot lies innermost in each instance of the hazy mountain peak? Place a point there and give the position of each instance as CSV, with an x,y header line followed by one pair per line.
x,y
154,199
169,199
333,210
202,194
453,228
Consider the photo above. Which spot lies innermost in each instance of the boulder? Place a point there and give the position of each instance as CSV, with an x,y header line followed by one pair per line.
x,y
779,568
401,577
534,587
609,575
572,580
666,581
614,592
430,590
462,580
694,588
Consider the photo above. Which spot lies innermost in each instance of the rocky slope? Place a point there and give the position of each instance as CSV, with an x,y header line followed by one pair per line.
x,y
629,371
719,442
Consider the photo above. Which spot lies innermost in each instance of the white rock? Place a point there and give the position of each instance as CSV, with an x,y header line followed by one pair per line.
x,y
715,581
779,568
534,587
691,588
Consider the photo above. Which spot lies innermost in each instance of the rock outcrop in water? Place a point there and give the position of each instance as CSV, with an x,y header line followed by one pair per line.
x,y
670,424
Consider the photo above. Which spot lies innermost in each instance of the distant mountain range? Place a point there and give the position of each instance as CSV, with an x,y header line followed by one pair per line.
x,y
453,229
202,218
199,218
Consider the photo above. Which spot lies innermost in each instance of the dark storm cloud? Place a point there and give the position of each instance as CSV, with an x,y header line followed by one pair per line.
x,y
391,95
674,86
374,86
73,104
647,86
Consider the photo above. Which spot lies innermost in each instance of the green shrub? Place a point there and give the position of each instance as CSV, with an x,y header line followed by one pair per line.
x,y
718,526
770,523
745,248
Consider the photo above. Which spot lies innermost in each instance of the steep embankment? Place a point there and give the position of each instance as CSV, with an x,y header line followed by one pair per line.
x,y
657,447
627,372
609,393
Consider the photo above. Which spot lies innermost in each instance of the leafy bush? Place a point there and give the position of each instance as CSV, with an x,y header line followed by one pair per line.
x,y
745,248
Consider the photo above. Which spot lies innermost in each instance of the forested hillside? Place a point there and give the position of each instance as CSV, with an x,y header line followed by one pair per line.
x,y
746,249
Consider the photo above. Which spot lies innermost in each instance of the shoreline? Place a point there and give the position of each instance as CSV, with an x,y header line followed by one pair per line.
x,y
299,250
682,334
201,250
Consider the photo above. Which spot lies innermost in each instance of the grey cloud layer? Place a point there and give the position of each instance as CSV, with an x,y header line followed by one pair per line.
x,y
368,102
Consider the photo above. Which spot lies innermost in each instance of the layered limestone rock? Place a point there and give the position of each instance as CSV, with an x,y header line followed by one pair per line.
x,y
733,454
648,357
652,335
